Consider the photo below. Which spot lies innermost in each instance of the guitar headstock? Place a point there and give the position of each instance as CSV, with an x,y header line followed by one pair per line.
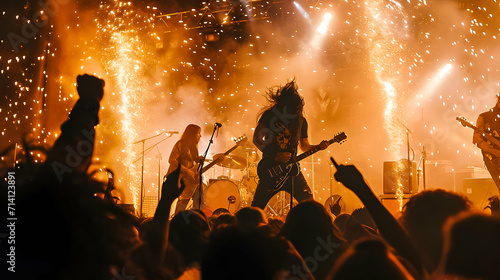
x,y
240,140
464,122
340,137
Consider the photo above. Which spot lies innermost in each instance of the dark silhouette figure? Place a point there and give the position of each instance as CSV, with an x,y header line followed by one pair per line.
x,y
280,130
388,226
185,153
251,217
362,215
369,259
472,246
224,220
237,253
424,216
309,227
64,230
187,240
341,221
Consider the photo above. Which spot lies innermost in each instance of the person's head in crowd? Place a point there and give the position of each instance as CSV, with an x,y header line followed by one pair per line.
x,y
223,220
340,222
363,216
273,226
355,230
472,247
423,217
89,86
309,224
251,217
66,231
188,237
235,253
368,259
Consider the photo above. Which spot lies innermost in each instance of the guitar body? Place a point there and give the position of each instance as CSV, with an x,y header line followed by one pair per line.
x,y
273,174
492,160
192,183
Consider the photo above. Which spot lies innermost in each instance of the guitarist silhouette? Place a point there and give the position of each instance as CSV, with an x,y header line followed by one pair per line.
x,y
185,153
488,126
280,130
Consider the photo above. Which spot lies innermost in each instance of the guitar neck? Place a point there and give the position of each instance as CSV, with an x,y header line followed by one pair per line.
x,y
311,151
210,165
486,135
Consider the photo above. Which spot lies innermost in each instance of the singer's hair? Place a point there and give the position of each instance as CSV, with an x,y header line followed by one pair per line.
x,y
287,98
189,137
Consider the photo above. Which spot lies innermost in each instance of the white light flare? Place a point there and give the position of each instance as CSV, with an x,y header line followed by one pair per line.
x,y
302,11
433,83
323,27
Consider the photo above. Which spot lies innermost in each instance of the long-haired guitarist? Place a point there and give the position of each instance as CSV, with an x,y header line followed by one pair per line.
x,y
280,130
185,152
489,122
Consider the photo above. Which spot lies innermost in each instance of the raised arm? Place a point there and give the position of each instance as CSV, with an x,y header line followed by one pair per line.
x,y
306,146
388,226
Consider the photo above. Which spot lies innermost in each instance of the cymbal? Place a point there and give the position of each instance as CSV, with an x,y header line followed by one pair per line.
x,y
231,161
248,151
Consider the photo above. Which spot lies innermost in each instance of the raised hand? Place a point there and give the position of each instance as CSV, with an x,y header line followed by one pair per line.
x,y
171,188
350,177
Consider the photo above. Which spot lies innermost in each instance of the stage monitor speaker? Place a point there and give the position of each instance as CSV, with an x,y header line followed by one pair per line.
x,y
393,174
478,190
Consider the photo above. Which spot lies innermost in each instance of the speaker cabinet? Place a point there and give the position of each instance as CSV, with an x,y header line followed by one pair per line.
x,y
478,190
395,171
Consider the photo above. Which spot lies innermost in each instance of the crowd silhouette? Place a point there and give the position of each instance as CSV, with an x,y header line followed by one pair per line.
x,y
68,230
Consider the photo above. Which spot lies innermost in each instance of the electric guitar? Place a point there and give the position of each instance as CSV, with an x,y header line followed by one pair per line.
x,y
492,140
191,183
275,174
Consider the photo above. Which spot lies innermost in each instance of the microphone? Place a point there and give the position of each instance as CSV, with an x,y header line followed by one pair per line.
x,y
218,124
171,132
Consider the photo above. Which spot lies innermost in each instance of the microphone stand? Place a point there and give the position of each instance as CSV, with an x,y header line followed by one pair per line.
x,y
169,133
202,162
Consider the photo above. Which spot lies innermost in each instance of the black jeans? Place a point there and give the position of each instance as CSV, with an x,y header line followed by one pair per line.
x,y
301,191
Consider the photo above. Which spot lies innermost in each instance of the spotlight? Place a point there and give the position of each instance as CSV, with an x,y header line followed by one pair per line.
x,y
323,27
302,11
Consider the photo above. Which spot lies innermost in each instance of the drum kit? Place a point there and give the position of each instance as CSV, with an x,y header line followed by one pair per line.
x,y
224,192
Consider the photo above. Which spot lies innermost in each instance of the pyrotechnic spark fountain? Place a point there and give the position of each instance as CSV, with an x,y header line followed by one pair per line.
x,y
385,51
125,57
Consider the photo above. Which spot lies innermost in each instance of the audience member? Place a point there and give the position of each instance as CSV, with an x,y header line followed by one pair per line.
x,y
309,227
368,259
423,217
471,247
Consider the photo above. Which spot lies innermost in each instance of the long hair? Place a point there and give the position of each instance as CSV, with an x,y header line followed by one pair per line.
x,y
189,137
286,99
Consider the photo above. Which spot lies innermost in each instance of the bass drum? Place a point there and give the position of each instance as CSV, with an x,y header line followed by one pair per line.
x,y
223,194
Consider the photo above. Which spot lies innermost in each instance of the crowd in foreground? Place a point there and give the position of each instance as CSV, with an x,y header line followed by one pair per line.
x,y
69,227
